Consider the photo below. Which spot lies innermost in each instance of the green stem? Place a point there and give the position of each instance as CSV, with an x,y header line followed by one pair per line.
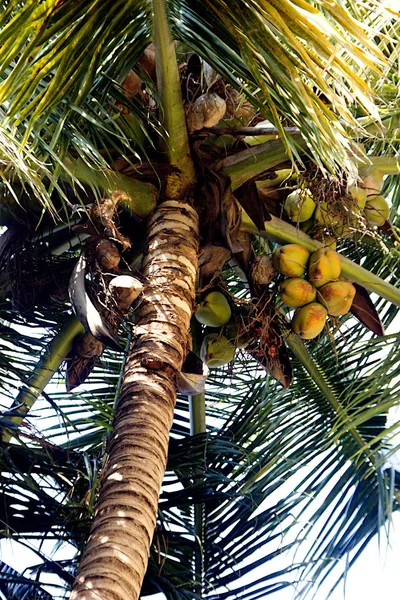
x,y
250,163
47,367
300,351
197,411
284,233
286,175
138,197
169,90
197,407
389,165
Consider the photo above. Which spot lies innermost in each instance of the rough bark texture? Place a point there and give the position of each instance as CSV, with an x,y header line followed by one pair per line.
x,y
116,555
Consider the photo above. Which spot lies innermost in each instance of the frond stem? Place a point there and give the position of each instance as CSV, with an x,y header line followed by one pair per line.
x,y
47,367
169,90
300,351
250,163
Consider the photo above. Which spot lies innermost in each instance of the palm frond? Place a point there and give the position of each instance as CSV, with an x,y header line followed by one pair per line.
x,y
290,55
16,586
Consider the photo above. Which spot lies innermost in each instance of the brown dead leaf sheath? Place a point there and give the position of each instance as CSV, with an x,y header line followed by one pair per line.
x,y
115,558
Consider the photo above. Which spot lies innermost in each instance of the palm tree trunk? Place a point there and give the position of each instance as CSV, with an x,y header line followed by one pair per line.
x,y
115,559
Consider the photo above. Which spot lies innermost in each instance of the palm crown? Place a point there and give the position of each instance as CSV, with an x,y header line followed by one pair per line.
x,y
78,126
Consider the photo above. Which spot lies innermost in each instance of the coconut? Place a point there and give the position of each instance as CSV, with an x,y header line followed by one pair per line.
x,y
125,290
291,260
371,180
206,111
358,194
337,296
376,210
107,254
216,350
309,320
299,205
214,310
297,292
324,266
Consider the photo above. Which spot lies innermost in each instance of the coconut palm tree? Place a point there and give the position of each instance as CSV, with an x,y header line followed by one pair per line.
x,y
133,175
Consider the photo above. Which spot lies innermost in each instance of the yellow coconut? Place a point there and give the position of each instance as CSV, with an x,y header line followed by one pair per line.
x,y
324,267
216,350
297,292
376,210
337,296
291,260
299,205
309,320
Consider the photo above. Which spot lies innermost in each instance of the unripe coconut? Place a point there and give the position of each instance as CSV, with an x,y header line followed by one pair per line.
x,y
299,205
297,292
337,296
238,334
358,194
326,216
216,350
371,180
291,260
376,210
214,310
324,267
309,320
349,225
206,111
107,254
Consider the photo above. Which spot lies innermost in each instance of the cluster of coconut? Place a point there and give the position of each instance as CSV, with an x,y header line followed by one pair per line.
x,y
313,286
218,347
363,206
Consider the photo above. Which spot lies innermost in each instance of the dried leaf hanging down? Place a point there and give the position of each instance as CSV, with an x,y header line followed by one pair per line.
x,y
147,62
365,311
78,370
86,311
211,262
210,75
249,199
87,346
262,272
206,111
81,360
125,290
192,379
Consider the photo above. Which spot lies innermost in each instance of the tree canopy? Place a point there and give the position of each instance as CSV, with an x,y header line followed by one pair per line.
x,y
289,432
